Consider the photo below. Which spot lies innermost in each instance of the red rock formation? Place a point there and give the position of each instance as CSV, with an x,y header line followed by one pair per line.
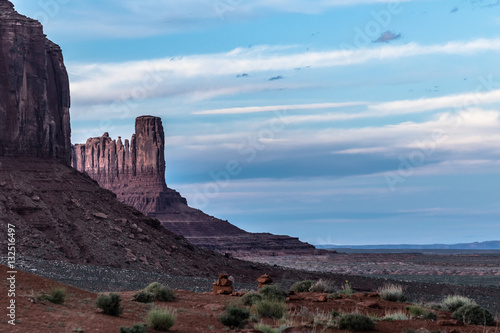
x,y
34,90
136,173
223,285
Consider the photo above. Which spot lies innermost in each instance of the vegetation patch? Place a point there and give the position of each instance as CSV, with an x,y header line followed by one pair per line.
x,y
266,328
56,296
273,293
322,286
110,304
453,302
418,312
144,297
137,328
270,309
346,289
250,298
473,314
235,316
161,319
395,316
392,293
301,286
356,322
160,292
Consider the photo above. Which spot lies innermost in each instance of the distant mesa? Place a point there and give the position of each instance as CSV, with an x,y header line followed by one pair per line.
x,y
135,172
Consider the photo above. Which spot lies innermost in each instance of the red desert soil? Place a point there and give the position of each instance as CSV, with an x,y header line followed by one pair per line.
x,y
197,312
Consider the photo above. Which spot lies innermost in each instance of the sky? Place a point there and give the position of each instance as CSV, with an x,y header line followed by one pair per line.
x,y
344,122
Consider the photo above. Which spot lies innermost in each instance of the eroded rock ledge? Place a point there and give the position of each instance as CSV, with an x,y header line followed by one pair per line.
x,y
135,171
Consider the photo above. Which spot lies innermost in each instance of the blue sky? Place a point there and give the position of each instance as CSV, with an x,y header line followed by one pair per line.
x,y
340,122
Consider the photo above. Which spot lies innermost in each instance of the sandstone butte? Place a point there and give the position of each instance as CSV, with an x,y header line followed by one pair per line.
x,y
34,90
59,213
135,171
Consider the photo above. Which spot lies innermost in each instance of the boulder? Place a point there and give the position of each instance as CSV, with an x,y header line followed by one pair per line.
x,y
223,285
264,280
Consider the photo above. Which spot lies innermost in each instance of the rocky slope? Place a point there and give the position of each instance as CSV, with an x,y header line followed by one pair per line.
x,y
62,214
34,90
135,171
56,211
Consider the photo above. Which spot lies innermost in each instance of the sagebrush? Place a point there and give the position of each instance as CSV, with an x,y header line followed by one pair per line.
x,y
110,304
269,309
392,293
273,293
356,322
161,319
235,316
453,302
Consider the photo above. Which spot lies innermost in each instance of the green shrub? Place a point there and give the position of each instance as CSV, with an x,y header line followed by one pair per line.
x,y
235,317
270,309
418,312
144,297
273,293
110,304
322,286
453,302
395,316
250,298
265,328
409,330
160,292
137,328
161,319
346,289
301,286
473,314
356,322
56,296
392,293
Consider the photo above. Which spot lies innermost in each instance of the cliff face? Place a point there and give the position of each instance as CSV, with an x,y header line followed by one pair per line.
x,y
135,171
34,91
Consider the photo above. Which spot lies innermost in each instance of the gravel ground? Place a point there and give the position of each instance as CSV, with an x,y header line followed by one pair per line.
x,y
99,279
106,279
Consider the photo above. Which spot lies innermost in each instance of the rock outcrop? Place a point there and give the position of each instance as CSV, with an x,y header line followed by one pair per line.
x,y
34,90
135,172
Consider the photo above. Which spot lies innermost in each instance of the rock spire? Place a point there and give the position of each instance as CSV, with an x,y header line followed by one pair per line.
x,y
134,170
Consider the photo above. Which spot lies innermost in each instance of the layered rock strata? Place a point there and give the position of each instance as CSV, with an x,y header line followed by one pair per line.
x,y
135,171
34,91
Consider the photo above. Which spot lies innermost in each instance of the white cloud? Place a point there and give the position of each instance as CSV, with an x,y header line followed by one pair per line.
x,y
272,108
198,74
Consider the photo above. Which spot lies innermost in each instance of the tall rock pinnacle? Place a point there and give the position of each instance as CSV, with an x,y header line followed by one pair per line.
x,y
135,171
34,90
